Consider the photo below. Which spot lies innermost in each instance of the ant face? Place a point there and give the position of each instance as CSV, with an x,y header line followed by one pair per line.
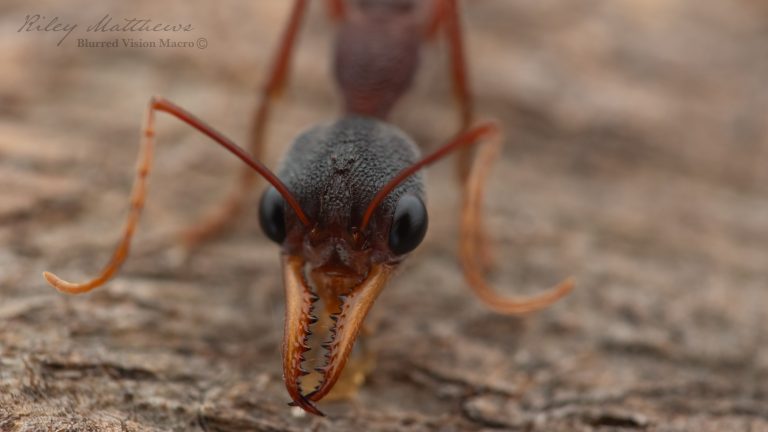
x,y
357,228
335,172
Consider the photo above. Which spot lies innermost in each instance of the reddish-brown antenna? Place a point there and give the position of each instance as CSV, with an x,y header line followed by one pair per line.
x,y
160,104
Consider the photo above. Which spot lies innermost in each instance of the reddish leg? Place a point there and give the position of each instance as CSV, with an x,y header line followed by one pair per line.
x,y
276,81
336,9
447,13
139,191
436,18
458,63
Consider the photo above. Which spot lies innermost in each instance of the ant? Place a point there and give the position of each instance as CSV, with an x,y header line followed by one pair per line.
x,y
347,204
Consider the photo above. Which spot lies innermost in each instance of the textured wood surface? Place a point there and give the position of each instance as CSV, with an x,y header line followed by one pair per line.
x,y
636,161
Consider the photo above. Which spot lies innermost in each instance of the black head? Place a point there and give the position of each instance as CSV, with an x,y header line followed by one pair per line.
x,y
348,206
334,171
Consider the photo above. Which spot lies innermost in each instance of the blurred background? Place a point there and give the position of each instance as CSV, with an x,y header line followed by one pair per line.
x,y
636,161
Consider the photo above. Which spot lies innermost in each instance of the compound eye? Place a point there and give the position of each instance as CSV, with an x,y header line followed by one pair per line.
x,y
272,215
409,225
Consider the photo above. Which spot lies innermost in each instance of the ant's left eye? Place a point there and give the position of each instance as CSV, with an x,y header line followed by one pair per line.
x,y
409,225
272,215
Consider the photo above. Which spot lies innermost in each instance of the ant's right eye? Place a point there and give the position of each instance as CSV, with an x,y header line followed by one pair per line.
x,y
272,215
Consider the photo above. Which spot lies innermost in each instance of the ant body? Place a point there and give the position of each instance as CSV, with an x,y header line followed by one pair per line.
x,y
347,205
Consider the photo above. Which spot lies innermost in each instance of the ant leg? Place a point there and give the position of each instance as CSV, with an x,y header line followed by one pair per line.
x,y
446,12
139,191
336,9
471,240
234,203
452,24
435,18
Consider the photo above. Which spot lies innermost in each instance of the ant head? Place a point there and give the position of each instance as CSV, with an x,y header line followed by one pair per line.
x,y
345,220
335,173
349,206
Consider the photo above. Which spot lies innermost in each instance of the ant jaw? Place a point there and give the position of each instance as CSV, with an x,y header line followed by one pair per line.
x,y
345,317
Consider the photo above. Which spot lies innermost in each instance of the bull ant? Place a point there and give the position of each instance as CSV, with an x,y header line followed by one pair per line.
x,y
347,205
